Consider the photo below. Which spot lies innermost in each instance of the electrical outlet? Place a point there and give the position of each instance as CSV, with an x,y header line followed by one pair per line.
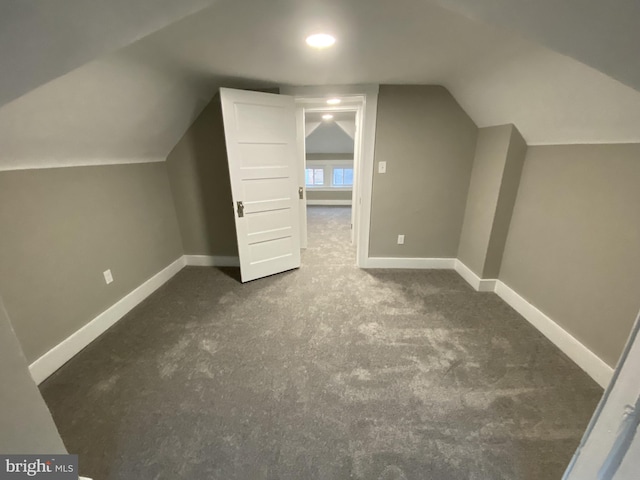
x,y
400,239
382,167
108,278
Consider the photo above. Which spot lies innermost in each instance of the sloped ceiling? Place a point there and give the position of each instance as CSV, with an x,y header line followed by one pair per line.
x,y
43,39
329,138
135,103
604,35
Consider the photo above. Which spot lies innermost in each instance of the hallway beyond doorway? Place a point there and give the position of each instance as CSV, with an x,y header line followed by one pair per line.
x,y
329,237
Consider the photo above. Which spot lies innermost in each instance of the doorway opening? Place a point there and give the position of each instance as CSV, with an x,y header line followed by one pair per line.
x,y
329,180
354,111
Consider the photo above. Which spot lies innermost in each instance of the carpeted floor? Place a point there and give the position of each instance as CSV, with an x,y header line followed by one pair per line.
x,y
327,372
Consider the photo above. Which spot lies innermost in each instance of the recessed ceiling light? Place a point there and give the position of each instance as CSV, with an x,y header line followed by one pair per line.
x,y
327,116
320,40
334,101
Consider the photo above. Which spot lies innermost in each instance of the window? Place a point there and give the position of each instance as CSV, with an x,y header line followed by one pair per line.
x,y
342,177
314,176
329,174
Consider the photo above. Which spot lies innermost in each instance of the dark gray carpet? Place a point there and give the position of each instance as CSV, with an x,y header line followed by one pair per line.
x,y
327,372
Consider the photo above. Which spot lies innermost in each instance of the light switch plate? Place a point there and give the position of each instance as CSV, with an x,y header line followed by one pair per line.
x,y
382,167
107,276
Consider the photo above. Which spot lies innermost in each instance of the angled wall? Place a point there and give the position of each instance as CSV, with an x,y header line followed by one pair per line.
x,y
494,184
428,143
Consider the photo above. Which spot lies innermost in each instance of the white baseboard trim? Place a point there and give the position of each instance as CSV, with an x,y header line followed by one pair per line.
x,y
479,284
417,263
51,361
574,349
344,203
211,261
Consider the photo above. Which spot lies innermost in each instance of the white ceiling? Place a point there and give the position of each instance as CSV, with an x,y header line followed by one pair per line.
x,y
135,103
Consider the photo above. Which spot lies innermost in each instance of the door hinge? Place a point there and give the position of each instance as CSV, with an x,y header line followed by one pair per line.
x,y
240,209
301,193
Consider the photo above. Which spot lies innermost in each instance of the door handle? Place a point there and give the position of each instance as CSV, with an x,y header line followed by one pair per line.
x,y
240,209
300,193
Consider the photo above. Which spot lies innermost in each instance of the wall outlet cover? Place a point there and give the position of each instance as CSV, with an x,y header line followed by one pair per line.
x,y
108,277
400,239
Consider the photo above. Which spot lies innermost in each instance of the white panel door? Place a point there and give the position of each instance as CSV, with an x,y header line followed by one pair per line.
x,y
260,134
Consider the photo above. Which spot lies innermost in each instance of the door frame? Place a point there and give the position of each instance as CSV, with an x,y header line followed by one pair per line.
x,y
365,100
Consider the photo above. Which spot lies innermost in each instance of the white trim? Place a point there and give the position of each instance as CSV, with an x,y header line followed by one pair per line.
x,y
344,203
367,131
65,350
211,261
416,263
479,284
573,348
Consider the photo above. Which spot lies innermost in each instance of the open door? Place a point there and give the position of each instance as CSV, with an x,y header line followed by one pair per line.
x,y
260,134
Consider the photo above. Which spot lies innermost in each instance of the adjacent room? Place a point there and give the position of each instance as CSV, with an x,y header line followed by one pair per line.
x,y
321,240
329,178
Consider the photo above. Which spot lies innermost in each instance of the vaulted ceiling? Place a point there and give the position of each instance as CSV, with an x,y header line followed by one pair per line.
x,y
121,81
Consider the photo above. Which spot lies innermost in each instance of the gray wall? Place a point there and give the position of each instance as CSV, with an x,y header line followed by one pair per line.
x,y
428,142
26,425
199,176
62,227
573,246
492,192
329,195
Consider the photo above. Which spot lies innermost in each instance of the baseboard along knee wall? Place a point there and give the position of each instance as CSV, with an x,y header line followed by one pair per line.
x,y
595,367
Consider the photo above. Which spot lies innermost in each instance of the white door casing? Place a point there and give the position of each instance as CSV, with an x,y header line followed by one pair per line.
x,y
260,135
368,96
